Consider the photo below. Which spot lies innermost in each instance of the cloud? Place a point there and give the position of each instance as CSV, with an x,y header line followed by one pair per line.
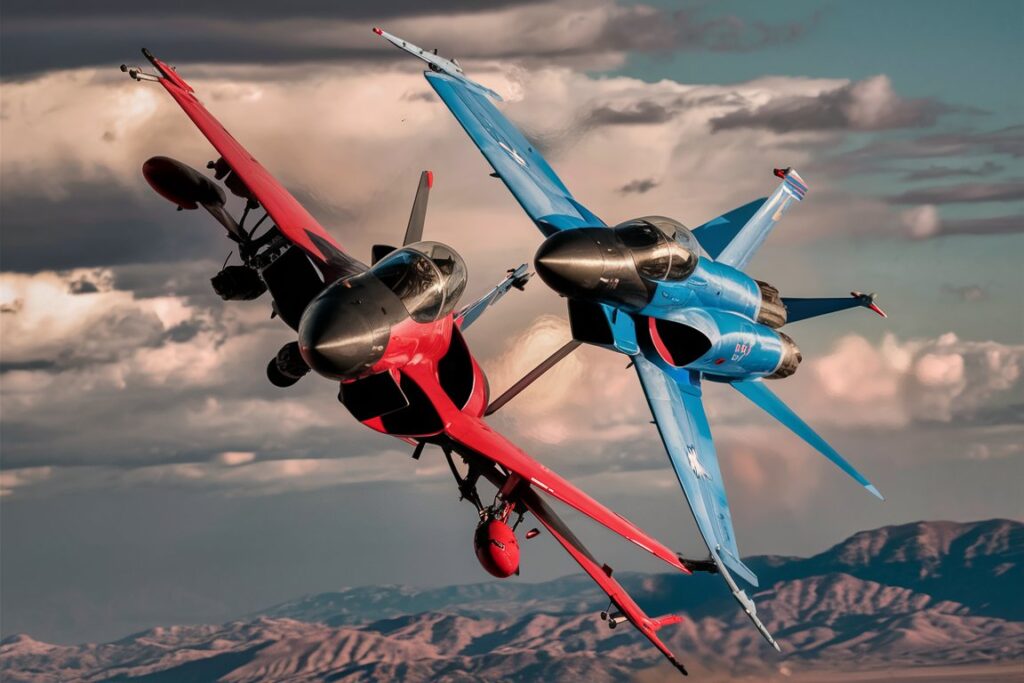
x,y
963,193
866,105
74,143
639,186
1008,141
921,222
934,172
924,222
967,293
11,479
109,378
576,31
945,379
995,225
634,113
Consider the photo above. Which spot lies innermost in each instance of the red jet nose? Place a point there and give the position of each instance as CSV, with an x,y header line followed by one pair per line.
x,y
497,548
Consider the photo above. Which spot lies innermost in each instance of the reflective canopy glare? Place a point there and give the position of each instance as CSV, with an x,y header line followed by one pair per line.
x,y
427,276
656,255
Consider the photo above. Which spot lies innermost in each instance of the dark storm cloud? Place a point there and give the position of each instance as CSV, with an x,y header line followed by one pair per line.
x,y
98,224
691,29
244,10
939,172
637,113
996,225
1007,141
51,35
862,105
963,193
639,186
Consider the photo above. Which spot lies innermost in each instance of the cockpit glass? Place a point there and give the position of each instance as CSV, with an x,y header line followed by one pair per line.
x,y
428,277
662,248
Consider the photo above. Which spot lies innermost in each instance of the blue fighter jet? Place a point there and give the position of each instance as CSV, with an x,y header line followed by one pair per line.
x,y
676,301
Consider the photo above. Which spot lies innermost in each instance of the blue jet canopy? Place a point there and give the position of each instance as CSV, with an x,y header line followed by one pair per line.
x,y
428,277
662,248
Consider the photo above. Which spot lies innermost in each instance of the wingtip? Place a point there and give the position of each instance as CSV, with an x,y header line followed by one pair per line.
x,y
430,179
379,31
874,491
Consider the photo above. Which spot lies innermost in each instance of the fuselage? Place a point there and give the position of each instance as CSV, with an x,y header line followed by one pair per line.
x,y
663,297
390,338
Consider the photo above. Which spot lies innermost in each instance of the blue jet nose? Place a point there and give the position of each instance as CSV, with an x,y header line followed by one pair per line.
x,y
339,337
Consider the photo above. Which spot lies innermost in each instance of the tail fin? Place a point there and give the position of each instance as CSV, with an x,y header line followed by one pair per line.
x,y
752,235
763,397
715,235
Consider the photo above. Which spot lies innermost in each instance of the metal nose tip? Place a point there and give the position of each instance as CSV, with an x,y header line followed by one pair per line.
x,y
570,262
336,340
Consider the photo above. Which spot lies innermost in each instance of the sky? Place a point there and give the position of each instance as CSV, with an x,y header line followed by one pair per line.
x,y
151,474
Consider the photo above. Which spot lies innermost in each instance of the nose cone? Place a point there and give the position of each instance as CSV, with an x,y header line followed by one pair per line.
x,y
337,339
570,262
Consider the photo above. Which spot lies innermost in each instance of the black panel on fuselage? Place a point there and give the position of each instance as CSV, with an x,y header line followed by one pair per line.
x,y
372,396
455,370
293,281
683,343
589,323
419,417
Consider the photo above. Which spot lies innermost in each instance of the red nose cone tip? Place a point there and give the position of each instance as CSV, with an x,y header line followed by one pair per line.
x,y
497,548
378,31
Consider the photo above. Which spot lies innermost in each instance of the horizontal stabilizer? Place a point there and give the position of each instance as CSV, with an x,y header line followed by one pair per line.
x,y
763,397
802,309
715,235
736,564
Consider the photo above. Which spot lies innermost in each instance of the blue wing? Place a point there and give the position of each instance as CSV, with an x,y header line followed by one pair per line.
x,y
675,400
762,397
679,413
533,182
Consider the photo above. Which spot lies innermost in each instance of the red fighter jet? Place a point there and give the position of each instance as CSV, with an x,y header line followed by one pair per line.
x,y
391,336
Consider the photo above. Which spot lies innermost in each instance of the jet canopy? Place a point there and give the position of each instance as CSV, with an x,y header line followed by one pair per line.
x,y
428,277
662,248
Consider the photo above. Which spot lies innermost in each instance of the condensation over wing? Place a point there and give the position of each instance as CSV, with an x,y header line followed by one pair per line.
x,y
291,218
530,178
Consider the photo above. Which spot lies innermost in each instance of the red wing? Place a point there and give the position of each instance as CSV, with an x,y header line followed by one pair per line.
x,y
603,576
290,217
481,439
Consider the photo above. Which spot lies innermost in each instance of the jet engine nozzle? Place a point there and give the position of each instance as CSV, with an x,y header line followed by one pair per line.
x,y
791,358
344,330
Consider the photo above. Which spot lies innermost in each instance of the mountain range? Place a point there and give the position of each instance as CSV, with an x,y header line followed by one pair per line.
x,y
929,600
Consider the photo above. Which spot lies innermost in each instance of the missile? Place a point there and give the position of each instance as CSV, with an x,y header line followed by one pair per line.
x,y
437,64
189,189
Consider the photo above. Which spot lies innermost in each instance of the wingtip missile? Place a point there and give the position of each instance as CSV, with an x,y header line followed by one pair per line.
x,y
435,62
